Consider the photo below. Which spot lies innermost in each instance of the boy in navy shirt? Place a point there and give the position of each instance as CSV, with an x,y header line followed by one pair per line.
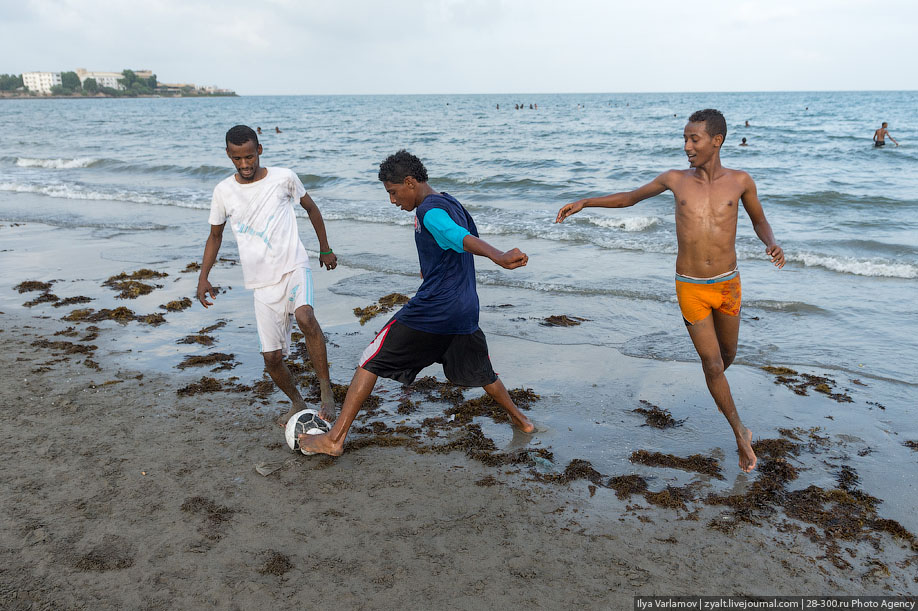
x,y
440,323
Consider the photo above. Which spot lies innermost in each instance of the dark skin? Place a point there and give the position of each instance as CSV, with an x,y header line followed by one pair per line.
x,y
706,208
246,159
408,195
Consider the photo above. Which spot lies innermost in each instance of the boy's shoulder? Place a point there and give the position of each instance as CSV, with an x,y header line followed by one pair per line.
x,y
439,200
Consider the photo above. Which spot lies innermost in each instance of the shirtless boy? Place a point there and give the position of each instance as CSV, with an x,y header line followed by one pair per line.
x,y
707,281
259,201
879,136
440,323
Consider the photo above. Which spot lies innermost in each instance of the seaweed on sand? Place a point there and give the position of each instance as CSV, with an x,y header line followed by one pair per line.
x,y
224,361
45,297
32,285
656,417
800,383
130,286
383,305
696,462
64,347
626,485
68,301
121,314
210,385
177,305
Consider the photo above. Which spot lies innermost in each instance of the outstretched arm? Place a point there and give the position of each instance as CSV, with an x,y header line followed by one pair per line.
x,y
617,200
760,224
891,138
450,236
510,259
211,248
326,256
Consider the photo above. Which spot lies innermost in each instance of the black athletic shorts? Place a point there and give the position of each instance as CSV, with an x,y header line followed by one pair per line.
x,y
400,353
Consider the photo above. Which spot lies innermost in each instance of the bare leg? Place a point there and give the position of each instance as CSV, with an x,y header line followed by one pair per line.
x,y
727,329
499,393
704,336
332,442
277,369
315,345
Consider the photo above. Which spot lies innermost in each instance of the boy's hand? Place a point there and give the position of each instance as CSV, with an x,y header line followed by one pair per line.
x,y
569,209
776,254
512,259
329,261
204,287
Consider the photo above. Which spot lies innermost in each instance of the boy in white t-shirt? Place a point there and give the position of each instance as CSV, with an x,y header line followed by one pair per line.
x,y
258,202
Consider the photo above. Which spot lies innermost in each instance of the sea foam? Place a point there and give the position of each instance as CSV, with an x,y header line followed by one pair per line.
x,y
55,164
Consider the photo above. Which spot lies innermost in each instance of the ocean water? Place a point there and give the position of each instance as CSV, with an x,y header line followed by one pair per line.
x,y
845,213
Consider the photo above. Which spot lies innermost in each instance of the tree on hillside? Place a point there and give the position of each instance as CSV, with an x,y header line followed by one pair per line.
x,y
91,86
70,81
10,82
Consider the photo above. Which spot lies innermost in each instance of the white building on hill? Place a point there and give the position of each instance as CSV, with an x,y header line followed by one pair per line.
x,y
41,82
103,79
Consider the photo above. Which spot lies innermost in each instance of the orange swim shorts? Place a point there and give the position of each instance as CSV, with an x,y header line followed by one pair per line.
x,y
699,296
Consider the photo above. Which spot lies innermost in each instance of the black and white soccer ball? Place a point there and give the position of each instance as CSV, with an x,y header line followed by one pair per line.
x,y
308,422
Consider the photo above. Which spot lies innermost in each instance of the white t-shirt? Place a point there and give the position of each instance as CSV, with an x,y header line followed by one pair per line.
x,y
261,215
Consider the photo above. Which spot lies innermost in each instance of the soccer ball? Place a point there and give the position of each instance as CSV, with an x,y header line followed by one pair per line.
x,y
306,421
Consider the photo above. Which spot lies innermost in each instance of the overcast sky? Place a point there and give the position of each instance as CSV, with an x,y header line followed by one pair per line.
x,y
474,46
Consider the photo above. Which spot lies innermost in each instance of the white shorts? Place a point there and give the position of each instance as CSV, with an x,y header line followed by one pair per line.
x,y
275,305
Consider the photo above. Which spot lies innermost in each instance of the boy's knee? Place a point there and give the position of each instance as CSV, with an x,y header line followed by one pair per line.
x,y
306,319
727,356
712,366
273,359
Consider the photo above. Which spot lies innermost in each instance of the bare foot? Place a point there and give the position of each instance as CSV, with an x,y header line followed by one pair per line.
x,y
328,410
747,458
282,420
320,444
522,423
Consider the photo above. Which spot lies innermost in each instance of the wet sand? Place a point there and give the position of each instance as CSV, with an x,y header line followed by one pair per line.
x,y
121,492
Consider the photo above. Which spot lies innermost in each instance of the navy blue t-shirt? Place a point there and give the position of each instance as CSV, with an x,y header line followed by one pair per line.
x,y
447,302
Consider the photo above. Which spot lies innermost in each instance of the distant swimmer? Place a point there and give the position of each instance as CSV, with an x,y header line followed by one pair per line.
x,y
879,136
498,107
747,125
277,130
744,143
258,129
707,198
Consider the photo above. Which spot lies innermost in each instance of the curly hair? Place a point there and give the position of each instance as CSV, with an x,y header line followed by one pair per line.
x,y
396,168
240,134
714,122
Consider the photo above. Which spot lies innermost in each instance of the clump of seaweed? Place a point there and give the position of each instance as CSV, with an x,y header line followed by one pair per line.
x,y
670,497
562,320
657,417
912,445
177,305
45,297
198,338
224,361
383,305
65,347
210,385
489,480
696,462
68,301
130,286
626,485
194,266
800,383
485,405
152,319
32,285
122,315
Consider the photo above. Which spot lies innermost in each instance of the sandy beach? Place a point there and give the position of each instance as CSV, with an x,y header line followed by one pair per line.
x,y
124,489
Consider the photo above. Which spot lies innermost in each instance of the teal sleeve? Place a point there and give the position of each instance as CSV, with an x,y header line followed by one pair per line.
x,y
445,231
